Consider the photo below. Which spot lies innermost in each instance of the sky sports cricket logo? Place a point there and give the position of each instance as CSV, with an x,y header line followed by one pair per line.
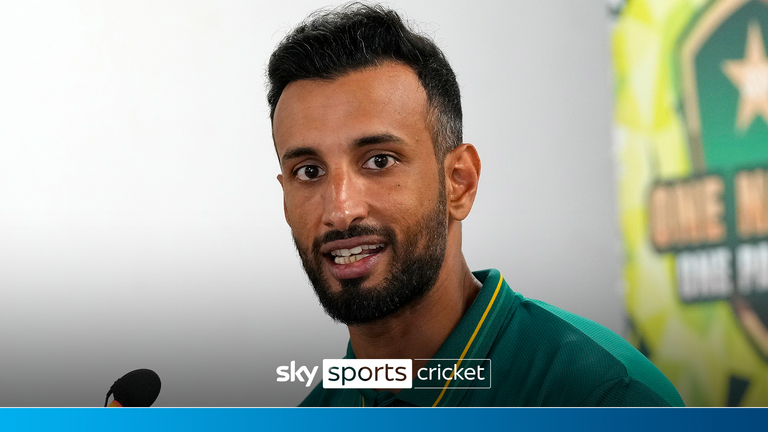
x,y
392,374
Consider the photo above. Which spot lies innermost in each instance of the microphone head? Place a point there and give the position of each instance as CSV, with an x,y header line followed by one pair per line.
x,y
138,388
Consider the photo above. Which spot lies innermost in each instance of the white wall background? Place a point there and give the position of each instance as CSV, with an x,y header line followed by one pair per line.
x,y
141,223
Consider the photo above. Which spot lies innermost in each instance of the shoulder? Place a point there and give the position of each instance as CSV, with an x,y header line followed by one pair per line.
x,y
556,358
321,397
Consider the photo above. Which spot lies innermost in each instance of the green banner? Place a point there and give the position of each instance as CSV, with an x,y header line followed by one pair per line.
x,y
691,119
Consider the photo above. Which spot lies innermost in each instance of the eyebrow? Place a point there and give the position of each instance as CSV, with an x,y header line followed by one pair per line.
x,y
377,139
298,152
358,143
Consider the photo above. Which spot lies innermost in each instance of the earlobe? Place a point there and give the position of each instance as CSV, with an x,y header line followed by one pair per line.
x,y
462,172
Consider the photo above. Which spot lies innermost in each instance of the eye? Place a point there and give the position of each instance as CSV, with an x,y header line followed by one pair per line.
x,y
380,161
309,172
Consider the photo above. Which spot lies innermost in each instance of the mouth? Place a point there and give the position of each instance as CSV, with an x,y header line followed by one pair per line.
x,y
355,257
349,256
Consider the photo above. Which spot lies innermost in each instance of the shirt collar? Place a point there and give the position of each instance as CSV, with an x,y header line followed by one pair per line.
x,y
472,338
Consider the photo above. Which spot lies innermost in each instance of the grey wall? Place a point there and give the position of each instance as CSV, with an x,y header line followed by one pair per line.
x,y
141,223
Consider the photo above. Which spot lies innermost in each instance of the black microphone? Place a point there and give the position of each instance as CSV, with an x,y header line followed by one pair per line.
x,y
138,388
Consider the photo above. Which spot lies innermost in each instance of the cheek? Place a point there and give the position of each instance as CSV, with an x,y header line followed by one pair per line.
x,y
301,211
408,201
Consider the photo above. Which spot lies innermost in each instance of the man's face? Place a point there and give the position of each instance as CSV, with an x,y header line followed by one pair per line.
x,y
364,193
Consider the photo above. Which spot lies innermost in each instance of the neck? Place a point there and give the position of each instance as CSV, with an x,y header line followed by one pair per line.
x,y
418,331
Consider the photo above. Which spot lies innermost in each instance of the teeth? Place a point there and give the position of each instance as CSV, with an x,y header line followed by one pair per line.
x,y
348,256
355,250
349,259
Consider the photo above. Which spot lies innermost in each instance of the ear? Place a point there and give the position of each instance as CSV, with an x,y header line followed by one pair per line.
x,y
285,207
462,173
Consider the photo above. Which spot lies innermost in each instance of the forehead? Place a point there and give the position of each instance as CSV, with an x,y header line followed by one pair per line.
x,y
386,99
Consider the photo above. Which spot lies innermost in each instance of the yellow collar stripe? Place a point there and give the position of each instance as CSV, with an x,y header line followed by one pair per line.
x,y
471,339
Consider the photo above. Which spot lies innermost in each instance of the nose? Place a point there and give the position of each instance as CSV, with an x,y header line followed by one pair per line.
x,y
344,201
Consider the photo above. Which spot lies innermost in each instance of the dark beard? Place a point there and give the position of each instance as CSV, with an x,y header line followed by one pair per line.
x,y
416,263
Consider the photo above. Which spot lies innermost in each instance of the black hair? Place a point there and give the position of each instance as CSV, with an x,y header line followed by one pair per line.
x,y
332,43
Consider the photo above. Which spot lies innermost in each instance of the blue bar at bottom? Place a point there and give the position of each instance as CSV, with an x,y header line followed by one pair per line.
x,y
386,419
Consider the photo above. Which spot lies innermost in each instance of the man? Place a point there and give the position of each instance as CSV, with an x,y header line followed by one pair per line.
x,y
366,119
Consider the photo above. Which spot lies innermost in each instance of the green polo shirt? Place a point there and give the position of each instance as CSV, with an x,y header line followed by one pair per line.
x,y
539,356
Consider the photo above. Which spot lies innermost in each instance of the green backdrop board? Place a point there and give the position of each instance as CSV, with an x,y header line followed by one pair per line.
x,y
691,136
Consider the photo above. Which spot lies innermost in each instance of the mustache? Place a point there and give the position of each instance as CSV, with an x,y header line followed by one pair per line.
x,y
354,231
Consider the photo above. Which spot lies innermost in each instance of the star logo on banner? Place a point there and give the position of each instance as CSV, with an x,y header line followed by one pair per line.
x,y
750,76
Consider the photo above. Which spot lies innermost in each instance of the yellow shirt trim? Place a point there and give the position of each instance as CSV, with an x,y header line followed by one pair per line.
x,y
471,339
